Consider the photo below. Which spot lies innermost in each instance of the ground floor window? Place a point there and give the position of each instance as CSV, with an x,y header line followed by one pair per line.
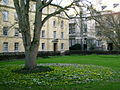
x,y
62,46
16,46
5,47
43,46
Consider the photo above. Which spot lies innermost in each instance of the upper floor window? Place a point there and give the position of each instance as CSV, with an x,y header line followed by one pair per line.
x,y
16,32
62,35
43,33
103,7
62,24
16,46
5,31
85,28
54,23
16,16
33,7
5,15
115,5
72,28
54,34
25,1
98,43
5,47
5,2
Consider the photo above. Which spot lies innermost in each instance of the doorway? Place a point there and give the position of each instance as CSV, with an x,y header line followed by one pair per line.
x,y
55,47
110,46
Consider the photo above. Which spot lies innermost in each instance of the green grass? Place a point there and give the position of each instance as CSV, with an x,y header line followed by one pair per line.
x,y
111,61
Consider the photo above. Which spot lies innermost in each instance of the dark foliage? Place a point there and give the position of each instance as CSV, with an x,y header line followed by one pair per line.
x,y
21,55
91,52
37,69
75,47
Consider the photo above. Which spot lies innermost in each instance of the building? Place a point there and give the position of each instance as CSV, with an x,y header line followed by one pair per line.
x,y
85,31
54,34
82,31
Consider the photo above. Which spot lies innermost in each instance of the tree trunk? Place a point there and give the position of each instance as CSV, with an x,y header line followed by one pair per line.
x,y
30,59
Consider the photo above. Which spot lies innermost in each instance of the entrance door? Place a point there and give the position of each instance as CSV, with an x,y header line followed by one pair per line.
x,y
110,46
55,47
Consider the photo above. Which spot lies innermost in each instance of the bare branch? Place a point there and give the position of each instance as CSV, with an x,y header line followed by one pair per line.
x,y
60,9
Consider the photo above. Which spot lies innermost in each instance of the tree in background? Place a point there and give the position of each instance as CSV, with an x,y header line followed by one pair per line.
x,y
107,26
107,23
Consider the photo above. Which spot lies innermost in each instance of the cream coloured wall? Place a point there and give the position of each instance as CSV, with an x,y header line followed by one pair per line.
x,y
48,27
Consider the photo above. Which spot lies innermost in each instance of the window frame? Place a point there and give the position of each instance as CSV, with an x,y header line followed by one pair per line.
x,y
5,16
5,47
16,46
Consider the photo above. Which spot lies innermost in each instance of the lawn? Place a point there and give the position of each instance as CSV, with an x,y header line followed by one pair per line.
x,y
101,64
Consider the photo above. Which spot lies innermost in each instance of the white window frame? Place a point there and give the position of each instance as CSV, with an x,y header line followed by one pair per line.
x,y
5,46
54,23
33,7
43,33
16,16
54,34
5,16
5,2
5,31
62,46
16,46
16,32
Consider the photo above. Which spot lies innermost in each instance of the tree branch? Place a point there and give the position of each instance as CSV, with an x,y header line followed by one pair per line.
x,y
61,9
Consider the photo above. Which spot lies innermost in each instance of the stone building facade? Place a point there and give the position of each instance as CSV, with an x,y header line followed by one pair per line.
x,y
54,34
84,31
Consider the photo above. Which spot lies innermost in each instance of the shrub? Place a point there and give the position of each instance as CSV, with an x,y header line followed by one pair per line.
x,y
75,47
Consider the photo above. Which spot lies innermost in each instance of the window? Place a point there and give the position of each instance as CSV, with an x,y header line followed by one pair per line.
x,y
98,43
43,34
33,7
5,31
62,35
62,46
85,28
5,15
25,1
62,24
54,34
115,5
16,32
43,46
16,46
5,2
54,23
15,16
103,7
5,47
71,28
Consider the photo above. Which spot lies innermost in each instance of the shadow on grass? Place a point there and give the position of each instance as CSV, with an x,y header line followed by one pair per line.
x,y
37,69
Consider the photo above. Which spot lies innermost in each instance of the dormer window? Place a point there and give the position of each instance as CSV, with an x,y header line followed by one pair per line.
x,y
115,5
5,2
103,7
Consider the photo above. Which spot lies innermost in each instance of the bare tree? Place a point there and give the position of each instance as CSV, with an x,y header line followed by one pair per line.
x,y
107,25
31,44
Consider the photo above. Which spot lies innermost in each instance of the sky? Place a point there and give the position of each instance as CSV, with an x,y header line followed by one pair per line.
x,y
109,3
62,2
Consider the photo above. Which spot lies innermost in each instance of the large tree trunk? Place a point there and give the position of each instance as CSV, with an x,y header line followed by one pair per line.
x,y
30,59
